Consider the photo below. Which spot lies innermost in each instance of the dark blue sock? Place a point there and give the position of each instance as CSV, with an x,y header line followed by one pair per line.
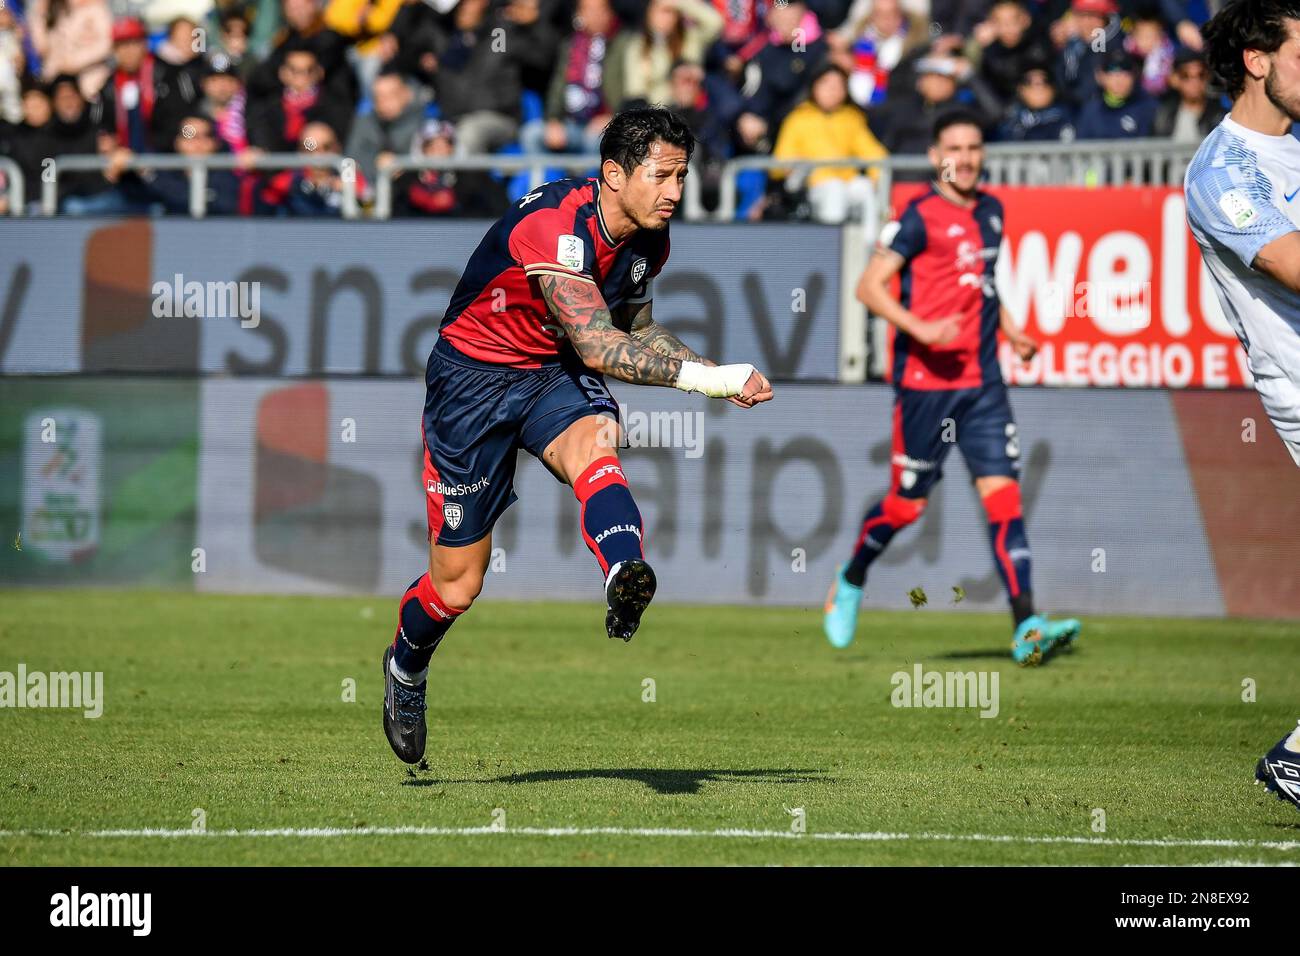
x,y
887,517
1011,548
611,522
423,620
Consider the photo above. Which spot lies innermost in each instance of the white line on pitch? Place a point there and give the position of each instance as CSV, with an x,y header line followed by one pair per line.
x,y
870,837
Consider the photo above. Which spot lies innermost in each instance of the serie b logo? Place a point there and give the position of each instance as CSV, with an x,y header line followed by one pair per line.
x,y
453,513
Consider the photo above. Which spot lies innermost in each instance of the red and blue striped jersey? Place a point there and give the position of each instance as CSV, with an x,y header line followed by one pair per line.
x,y
950,253
497,313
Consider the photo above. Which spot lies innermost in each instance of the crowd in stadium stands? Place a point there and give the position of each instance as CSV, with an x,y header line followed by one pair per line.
x,y
377,79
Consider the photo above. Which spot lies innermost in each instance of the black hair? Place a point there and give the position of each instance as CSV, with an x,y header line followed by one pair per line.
x,y
392,69
1036,62
199,115
826,66
1244,25
34,84
955,117
297,44
1117,56
68,79
629,135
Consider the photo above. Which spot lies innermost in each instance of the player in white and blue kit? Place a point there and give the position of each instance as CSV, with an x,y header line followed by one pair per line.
x,y
1243,205
1243,197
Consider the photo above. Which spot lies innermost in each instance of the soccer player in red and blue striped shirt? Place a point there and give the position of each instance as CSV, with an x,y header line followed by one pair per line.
x,y
556,296
947,383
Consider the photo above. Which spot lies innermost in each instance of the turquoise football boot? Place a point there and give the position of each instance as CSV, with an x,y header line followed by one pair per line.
x,y
1030,645
841,612
1063,633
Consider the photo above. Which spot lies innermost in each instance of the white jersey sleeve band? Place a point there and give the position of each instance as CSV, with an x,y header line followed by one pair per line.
x,y
715,381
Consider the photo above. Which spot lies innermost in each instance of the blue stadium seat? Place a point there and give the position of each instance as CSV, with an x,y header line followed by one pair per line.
x,y
751,184
517,184
531,106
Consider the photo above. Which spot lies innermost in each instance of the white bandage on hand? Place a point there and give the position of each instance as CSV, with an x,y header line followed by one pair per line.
x,y
715,381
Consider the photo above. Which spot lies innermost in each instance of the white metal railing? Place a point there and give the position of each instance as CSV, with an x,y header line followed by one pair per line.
x,y
198,167
1149,162
535,165
1135,162
726,210
16,192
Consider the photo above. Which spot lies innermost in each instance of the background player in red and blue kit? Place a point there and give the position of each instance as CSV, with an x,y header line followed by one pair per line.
x,y
556,296
947,383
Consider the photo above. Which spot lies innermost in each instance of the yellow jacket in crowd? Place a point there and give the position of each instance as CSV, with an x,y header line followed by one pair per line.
x,y
810,133
363,19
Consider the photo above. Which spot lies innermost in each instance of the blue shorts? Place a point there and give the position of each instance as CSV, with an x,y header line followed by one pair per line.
x,y
927,423
476,418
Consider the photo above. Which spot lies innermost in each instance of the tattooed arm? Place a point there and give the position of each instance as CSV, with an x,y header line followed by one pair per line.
x,y
640,358
581,311
636,316
642,327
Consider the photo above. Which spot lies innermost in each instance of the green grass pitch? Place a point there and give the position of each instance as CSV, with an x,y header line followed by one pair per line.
x,y
235,707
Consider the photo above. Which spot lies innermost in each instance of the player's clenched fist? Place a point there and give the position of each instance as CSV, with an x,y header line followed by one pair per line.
x,y
757,389
741,384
